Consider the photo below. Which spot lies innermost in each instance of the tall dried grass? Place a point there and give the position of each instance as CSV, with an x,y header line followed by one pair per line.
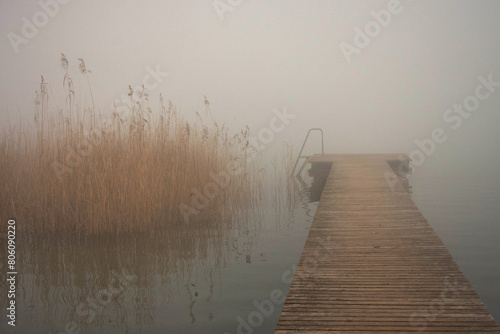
x,y
74,170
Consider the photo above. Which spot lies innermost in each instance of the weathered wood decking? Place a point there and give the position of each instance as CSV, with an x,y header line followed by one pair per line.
x,y
373,264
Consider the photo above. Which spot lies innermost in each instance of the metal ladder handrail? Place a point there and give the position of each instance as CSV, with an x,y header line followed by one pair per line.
x,y
307,157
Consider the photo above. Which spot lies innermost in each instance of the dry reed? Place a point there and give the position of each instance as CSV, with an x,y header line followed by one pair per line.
x,y
74,170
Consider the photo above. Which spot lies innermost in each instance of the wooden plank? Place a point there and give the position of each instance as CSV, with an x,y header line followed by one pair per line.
x,y
373,264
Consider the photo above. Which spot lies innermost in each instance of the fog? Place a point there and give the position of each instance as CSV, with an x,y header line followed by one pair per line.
x,y
210,236
251,57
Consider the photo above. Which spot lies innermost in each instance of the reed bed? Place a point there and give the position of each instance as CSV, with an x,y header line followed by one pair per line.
x,y
76,170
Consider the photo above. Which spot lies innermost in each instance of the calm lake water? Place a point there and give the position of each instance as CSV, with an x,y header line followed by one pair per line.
x,y
185,279
463,207
197,280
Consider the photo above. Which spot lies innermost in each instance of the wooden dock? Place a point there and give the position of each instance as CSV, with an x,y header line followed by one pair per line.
x,y
373,264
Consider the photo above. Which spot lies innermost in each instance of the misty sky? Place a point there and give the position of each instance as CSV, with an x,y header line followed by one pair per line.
x,y
273,54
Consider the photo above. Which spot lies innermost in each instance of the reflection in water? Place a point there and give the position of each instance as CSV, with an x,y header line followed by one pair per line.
x,y
319,174
196,278
169,281
118,282
402,170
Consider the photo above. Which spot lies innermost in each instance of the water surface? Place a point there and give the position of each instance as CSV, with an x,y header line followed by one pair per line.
x,y
198,279
181,279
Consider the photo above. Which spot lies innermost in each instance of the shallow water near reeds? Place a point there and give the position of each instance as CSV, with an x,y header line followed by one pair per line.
x,y
192,279
179,279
